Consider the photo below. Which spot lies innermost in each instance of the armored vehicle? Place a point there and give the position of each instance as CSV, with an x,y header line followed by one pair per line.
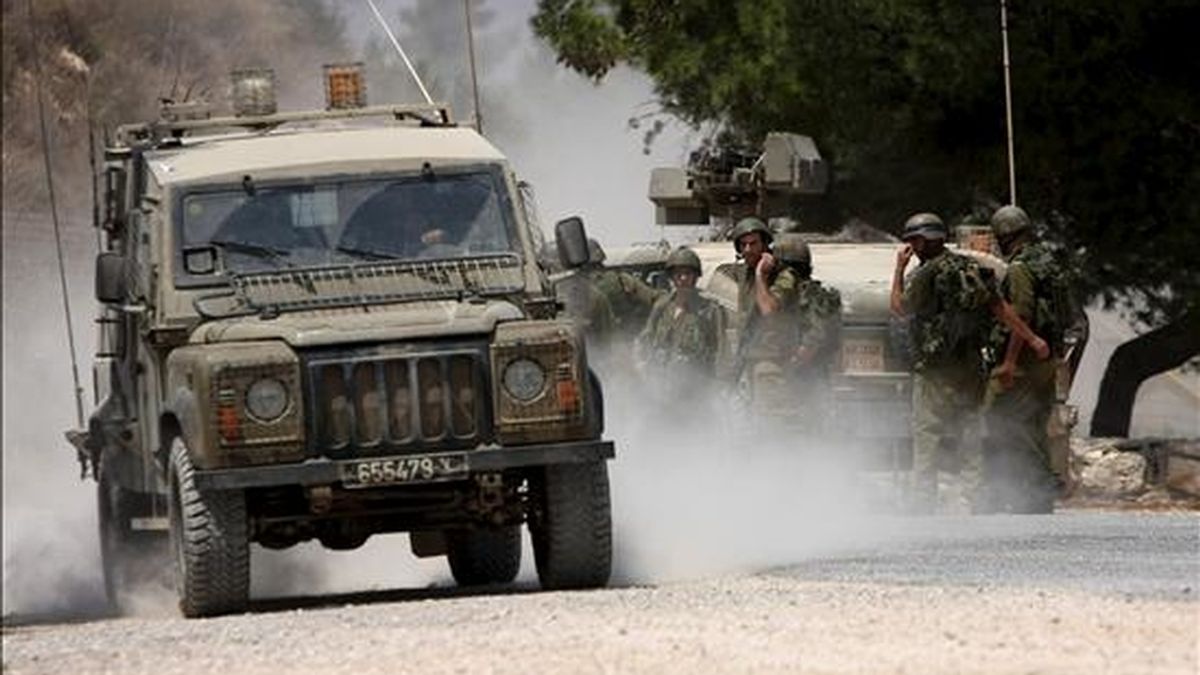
x,y
870,375
327,325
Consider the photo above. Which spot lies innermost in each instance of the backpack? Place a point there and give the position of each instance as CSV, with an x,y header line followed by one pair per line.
x,y
959,328
819,308
1057,307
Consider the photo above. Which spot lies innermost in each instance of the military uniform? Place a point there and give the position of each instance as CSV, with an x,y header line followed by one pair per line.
x,y
817,319
631,298
766,343
678,346
948,382
1016,448
686,335
817,314
588,307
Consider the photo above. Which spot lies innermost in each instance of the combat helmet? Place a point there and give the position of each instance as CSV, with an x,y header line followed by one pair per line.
x,y
595,252
1009,221
746,226
792,249
684,257
924,225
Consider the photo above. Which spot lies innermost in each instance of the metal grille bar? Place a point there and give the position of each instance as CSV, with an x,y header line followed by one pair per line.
x,y
379,403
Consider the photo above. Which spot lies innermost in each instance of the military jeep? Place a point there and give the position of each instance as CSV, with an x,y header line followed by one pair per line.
x,y
327,325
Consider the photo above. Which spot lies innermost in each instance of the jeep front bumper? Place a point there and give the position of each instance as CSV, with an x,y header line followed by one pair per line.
x,y
342,471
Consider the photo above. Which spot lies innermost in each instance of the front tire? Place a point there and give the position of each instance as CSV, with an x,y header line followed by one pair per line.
x,y
572,531
209,541
484,556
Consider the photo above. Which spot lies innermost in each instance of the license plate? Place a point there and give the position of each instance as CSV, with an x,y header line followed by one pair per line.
x,y
862,356
404,470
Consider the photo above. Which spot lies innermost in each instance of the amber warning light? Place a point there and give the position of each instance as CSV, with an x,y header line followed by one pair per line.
x,y
345,86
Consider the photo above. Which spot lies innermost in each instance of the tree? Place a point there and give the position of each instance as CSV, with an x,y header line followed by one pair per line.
x,y
906,99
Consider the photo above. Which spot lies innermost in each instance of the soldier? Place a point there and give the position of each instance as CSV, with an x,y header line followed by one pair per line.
x,y
766,294
631,298
1021,390
948,300
587,306
679,341
817,317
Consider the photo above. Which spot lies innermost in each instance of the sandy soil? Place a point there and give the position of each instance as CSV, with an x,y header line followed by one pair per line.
x,y
763,623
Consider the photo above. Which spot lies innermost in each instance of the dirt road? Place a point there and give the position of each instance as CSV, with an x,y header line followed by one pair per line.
x,y
765,623
1074,593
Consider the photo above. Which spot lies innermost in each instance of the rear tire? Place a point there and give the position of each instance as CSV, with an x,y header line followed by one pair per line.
x,y
209,541
484,556
572,532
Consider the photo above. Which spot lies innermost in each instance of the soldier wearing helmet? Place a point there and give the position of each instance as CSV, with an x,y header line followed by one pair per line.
x,y
1021,390
630,298
816,324
818,309
679,341
947,304
766,295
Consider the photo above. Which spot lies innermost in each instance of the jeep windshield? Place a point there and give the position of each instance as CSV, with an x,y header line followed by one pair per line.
x,y
253,228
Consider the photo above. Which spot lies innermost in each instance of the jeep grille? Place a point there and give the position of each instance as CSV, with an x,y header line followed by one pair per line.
x,y
384,403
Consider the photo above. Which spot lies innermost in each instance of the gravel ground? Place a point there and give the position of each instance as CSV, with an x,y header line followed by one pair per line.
x,y
760,623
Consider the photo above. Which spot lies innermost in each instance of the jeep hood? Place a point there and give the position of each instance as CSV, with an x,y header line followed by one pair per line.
x,y
371,323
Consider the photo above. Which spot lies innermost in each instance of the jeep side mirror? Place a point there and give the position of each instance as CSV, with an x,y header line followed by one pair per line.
x,y
572,242
112,280
114,198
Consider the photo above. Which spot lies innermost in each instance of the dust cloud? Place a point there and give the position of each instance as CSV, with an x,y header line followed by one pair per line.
x,y
51,554
686,500
708,489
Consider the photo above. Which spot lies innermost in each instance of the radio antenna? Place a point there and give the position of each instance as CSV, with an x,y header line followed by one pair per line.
x,y
396,44
38,79
471,58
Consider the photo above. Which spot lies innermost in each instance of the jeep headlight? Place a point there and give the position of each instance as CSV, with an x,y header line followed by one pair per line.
x,y
524,379
267,399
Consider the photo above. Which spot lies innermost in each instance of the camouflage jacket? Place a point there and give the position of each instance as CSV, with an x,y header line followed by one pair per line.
x,y
682,336
630,298
587,306
1040,287
947,300
769,338
818,316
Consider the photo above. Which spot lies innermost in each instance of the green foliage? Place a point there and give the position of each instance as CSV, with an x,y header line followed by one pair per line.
x,y
585,39
906,99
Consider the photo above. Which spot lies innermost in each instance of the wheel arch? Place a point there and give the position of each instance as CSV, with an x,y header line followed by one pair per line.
x,y
169,428
181,418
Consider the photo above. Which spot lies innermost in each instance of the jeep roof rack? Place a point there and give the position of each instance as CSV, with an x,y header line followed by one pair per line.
x,y
170,128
